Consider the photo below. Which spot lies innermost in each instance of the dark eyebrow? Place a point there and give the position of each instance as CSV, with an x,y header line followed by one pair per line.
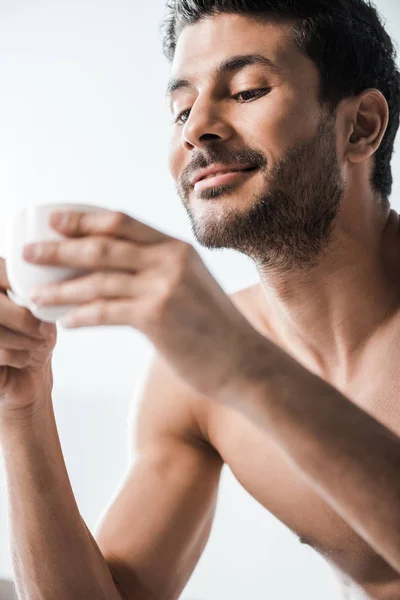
x,y
229,65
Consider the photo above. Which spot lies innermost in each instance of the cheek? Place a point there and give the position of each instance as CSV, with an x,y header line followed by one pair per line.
x,y
270,129
299,118
270,114
276,127
283,124
175,157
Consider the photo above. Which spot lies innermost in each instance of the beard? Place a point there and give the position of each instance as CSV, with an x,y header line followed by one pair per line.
x,y
290,224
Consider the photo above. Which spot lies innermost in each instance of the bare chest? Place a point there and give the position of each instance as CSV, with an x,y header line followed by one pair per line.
x,y
265,472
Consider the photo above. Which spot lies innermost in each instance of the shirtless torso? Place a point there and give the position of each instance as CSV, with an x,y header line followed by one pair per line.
x,y
240,443
181,440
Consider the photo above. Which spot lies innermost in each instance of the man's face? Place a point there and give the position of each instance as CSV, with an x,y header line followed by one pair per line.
x,y
282,213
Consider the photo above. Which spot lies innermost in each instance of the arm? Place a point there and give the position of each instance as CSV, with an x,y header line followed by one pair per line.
x,y
151,536
53,556
350,459
155,530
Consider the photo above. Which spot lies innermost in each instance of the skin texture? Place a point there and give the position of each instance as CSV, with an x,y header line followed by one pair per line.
x,y
307,279
299,217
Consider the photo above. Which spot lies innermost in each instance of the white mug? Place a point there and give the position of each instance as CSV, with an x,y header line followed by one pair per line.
x,y
28,226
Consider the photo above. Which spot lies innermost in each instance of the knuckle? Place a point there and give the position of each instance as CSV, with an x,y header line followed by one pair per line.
x,y
178,256
97,250
114,221
183,253
164,290
186,250
180,249
91,249
75,220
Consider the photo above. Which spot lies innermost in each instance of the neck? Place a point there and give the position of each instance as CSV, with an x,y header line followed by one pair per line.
x,y
325,316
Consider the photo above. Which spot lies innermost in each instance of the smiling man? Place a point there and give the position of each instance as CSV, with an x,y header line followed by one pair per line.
x,y
288,162
284,119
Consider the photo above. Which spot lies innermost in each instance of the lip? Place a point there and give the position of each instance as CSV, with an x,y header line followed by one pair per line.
x,y
203,173
221,179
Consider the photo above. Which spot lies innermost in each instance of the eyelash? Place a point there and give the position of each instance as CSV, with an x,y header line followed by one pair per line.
x,y
256,92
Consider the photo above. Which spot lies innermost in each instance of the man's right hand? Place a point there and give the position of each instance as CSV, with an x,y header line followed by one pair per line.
x,y
25,356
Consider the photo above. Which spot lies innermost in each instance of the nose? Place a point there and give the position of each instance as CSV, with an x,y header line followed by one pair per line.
x,y
205,124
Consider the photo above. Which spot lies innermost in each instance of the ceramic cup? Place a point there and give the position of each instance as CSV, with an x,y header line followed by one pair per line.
x,y
32,225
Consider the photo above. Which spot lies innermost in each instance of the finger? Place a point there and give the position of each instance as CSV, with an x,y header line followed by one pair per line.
x,y
101,312
4,283
101,284
18,319
10,340
90,253
117,224
15,358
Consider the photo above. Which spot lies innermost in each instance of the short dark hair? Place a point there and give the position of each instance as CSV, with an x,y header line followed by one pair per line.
x,y
345,39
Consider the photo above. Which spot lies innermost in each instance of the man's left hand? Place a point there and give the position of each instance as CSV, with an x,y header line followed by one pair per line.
x,y
157,284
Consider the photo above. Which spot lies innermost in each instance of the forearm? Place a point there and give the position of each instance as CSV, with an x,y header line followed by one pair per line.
x,y
351,459
52,552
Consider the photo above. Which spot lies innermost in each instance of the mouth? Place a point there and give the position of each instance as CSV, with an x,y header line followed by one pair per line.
x,y
222,178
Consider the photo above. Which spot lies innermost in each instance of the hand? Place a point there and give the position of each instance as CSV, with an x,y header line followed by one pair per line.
x,y
25,355
154,283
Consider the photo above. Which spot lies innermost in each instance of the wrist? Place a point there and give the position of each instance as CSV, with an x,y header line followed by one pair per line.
x,y
255,368
24,416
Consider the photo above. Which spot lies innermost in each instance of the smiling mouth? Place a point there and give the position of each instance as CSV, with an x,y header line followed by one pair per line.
x,y
227,173
222,178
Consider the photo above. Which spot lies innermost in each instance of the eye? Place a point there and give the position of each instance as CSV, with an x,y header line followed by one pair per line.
x,y
253,95
178,119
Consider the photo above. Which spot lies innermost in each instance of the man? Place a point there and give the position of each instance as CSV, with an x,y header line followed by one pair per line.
x,y
284,123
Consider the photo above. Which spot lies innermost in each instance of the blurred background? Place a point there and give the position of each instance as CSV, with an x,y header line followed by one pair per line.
x,y
83,119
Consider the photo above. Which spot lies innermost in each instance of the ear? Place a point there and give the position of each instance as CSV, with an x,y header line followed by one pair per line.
x,y
368,123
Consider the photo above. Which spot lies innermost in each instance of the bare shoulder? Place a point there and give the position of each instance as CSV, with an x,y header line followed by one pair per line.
x,y
170,405
247,301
